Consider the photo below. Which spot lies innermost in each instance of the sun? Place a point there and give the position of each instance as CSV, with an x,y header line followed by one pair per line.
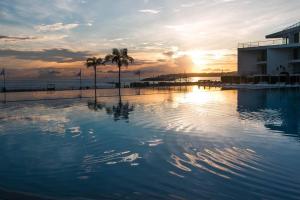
x,y
201,59
198,58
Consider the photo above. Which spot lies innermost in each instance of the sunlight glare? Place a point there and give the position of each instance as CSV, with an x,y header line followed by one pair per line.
x,y
200,96
197,58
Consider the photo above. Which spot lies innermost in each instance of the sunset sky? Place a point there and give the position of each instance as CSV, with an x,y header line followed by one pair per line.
x,y
164,36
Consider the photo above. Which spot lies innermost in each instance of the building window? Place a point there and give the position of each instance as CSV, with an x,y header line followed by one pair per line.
x,y
262,56
296,68
262,69
296,38
295,54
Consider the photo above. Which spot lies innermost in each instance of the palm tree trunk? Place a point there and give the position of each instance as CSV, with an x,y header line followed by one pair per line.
x,y
119,80
95,81
4,82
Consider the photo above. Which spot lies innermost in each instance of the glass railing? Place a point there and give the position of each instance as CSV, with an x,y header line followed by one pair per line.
x,y
263,43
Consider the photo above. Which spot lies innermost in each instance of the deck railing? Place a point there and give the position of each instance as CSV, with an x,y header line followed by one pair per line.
x,y
263,43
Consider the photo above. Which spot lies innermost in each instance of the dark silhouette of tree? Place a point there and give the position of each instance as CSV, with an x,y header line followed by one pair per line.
x,y
95,106
120,111
94,62
121,58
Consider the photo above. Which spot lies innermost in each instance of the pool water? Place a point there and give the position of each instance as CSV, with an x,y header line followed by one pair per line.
x,y
176,144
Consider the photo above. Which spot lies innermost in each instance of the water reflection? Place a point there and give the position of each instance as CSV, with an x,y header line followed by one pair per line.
x,y
197,145
4,98
95,105
278,109
224,163
119,111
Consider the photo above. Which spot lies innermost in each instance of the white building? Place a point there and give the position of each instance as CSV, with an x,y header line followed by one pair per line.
x,y
281,55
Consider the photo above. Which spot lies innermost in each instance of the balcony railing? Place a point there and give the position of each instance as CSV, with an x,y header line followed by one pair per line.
x,y
263,43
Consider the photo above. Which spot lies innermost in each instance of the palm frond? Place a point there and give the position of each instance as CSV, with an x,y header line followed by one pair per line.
x,y
99,61
124,52
119,57
116,52
93,62
131,59
108,58
90,62
125,62
115,59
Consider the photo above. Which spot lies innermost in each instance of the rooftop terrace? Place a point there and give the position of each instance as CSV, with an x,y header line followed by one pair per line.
x,y
283,37
263,43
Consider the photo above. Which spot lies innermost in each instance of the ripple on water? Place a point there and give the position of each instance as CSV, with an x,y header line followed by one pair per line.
x,y
240,166
154,143
186,118
175,174
91,162
222,163
75,131
109,151
91,131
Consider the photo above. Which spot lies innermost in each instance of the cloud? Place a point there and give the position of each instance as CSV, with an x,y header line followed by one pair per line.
x,y
187,5
48,73
196,4
184,62
55,27
48,55
52,37
117,39
143,62
149,11
17,38
162,60
169,53
38,38
195,26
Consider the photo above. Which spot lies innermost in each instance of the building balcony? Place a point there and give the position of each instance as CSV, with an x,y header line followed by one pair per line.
x,y
263,43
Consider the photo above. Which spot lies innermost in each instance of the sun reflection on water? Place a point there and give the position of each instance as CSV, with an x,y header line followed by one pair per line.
x,y
200,96
224,163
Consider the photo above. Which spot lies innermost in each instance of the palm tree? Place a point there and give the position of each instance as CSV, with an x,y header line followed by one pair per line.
x,y
94,62
120,58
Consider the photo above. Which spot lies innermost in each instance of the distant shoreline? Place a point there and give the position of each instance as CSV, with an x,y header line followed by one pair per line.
x,y
173,77
20,85
212,84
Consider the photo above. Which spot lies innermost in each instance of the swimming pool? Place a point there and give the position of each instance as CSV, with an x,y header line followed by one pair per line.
x,y
191,143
